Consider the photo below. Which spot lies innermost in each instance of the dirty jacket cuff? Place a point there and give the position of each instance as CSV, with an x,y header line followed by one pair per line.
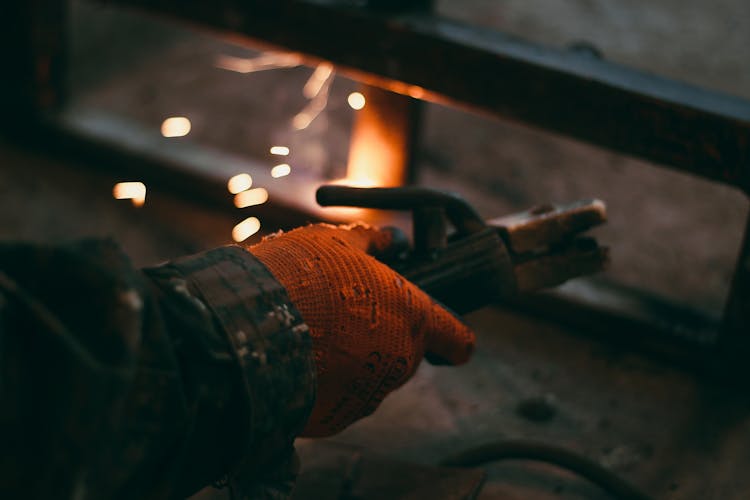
x,y
268,340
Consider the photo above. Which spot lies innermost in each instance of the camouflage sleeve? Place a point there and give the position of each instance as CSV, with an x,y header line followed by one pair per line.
x,y
260,331
116,383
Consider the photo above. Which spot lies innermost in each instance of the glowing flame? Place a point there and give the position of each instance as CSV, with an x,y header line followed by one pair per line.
x,y
239,183
373,160
316,81
280,150
360,177
245,229
281,170
175,126
135,191
251,197
377,155
356,100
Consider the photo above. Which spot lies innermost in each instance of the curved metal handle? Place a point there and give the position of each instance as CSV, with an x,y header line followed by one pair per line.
x,y
462,215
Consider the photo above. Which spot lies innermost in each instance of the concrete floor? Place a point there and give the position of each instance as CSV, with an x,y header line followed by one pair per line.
x,y
671,434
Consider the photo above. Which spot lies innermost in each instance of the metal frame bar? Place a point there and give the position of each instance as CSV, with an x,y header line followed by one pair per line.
x,y
416,53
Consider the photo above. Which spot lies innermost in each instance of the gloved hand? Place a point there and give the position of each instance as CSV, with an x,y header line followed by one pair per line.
x,y
370,327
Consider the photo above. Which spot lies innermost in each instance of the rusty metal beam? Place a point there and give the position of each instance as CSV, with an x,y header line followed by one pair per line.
x,y
694,130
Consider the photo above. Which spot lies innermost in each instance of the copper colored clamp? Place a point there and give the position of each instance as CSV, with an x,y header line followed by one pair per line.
x,y
479,261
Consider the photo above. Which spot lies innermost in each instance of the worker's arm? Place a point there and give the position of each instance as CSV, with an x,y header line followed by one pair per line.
x,y
151,384
117,383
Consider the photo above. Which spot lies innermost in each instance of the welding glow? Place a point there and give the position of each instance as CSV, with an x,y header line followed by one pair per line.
x,y
245,229
135,191
360,179
281,170
374,160
175,126
239,183
377,156
251,197
356,100
316,81
280,150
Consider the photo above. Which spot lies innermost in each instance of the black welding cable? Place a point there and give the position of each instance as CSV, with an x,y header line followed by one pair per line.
x,y
555,455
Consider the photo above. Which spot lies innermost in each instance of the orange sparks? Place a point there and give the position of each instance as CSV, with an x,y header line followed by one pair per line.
x,y
356,100
251,197
317,104
415,91
175,126
302,120
135,191
281,170
280,150
263,62
245,229
239,183
316,81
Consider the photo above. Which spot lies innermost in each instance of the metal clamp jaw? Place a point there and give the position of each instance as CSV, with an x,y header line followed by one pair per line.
x,y
481,262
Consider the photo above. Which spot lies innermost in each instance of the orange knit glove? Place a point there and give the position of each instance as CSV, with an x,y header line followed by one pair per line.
x,y
370,327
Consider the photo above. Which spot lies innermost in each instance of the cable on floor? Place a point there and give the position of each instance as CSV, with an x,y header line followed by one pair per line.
x,y
540,452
